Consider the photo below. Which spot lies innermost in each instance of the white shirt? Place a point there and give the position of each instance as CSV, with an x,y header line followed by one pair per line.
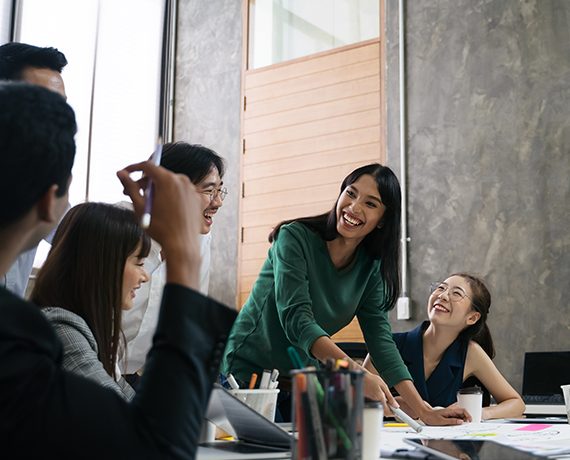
x,y
17,277
139,323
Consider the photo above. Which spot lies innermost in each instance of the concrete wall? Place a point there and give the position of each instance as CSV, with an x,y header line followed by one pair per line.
x,y
207,111
488,88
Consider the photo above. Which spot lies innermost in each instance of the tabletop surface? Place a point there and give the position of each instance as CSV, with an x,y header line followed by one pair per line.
x,y
552,439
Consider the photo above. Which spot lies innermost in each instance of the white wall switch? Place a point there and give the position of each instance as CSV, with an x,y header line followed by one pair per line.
x,y
403,308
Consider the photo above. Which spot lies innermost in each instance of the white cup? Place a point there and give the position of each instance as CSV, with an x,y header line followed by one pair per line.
x,y
566,393
372,417
471,399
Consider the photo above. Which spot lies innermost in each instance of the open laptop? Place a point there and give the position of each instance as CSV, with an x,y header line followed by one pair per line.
x,y
543,374
256,435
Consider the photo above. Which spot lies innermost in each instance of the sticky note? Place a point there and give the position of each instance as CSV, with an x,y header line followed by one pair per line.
x,y
534,427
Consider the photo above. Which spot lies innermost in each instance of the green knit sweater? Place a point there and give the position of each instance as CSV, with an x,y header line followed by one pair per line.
x,y
300,296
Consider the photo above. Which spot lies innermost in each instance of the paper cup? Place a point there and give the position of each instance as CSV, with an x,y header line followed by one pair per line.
x,y
471,399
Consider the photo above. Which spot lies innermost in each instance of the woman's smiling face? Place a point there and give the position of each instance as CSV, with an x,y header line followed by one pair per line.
x,y
134,275
450,303
359,208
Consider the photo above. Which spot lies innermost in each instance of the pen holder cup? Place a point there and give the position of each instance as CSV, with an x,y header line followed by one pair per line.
x,y
262,401
327,408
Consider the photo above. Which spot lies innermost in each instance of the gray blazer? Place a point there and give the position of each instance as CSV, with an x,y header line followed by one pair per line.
x,y
80,350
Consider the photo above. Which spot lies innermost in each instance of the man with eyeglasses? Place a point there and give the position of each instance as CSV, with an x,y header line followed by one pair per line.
x,y
205,169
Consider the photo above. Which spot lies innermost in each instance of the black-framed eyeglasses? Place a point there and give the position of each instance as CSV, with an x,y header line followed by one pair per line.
x,y
455,293
221,192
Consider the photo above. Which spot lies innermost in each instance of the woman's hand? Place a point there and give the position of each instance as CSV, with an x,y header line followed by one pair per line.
x,y
407,408
452,415
427,414
376,389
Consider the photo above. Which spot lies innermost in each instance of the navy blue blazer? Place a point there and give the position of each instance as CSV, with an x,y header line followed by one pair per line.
x,y
441,387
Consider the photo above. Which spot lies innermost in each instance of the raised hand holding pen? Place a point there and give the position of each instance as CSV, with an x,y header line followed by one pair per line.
x,y
176,218
149,190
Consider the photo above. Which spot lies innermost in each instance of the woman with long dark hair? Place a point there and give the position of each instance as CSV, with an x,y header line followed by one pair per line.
x,y
90,276
455,348
320,273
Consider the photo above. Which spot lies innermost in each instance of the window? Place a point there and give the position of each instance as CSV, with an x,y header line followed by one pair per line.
x,y
280,30
112,82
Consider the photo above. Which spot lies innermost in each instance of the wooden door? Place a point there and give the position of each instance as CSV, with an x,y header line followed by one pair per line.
x,y
306,124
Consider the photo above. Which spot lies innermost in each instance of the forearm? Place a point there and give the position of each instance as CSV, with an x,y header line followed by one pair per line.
x,y
410,395
324,348
183,269
508,408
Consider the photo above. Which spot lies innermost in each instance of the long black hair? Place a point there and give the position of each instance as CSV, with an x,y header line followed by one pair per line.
x,y
480,302
83,272
381,243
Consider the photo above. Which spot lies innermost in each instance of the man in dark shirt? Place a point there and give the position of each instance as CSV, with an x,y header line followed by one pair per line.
x,y
46,412
40,66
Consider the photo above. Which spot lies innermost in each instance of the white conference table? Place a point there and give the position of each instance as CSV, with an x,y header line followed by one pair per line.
x,y
544,439
552,439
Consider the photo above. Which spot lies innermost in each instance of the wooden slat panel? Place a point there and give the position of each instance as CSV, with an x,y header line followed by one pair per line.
x,y
306,125
313,96
311,113
277,214
247,282
251,267
350,333
314,129
289,198
242,298
302,147
256,234
251,251
300,180
307,82
361,154
334,60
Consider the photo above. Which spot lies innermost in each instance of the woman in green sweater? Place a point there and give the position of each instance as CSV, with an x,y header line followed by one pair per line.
x,y
320,273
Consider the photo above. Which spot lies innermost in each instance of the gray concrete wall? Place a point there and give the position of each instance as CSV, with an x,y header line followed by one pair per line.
x,y
207,111
488,89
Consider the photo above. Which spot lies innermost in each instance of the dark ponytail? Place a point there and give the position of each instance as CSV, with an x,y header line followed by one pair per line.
x,y
480,302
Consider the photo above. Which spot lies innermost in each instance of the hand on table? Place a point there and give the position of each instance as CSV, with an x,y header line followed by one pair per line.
x,y
452,415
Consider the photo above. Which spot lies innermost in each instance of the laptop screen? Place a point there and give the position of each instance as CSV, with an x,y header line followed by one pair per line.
x,y
544,372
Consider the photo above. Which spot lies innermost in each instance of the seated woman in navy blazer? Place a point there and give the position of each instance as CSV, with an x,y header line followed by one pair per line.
x,y
455,346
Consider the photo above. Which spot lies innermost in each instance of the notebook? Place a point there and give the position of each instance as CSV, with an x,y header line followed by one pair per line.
x,y
543,374
255,433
